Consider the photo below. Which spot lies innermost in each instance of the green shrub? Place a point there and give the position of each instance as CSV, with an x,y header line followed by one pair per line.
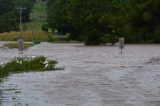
x,y
51,38
104,39
112,39
45,27
26,64
36,42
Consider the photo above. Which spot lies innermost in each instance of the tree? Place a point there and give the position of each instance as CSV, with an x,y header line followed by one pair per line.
x,y
26,13
9,15
7,24
145,21
102,21
86,20
45,27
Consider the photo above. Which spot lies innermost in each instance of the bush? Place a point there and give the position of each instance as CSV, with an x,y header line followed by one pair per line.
x,y
26,64
36,42
51,38
113,39
104,39
45,27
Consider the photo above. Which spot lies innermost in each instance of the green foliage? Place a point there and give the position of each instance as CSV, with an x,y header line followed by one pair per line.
x,y
26,64
9,15
7,10
85,20
36,42
144,21
45,27
51,38
26,13
7,24
104,39
90,20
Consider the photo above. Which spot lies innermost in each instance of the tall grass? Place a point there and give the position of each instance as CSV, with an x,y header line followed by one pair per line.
x,y
16,45
27,36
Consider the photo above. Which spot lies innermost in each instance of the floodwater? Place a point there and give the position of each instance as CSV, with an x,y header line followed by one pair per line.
x,y
93,76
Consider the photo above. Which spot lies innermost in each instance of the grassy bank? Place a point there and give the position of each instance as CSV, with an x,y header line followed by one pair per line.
x,y
15,45
27,36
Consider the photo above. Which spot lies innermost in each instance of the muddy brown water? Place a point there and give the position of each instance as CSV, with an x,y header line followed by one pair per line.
x,y
93,76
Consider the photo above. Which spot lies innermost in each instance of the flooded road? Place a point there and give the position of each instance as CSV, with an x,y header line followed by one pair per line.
x,y
93,76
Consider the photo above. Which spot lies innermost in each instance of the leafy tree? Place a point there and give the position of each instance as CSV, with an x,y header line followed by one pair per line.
x,y
9,16
45,27
103,21
86,20
6,6
7,24
28,4
145,21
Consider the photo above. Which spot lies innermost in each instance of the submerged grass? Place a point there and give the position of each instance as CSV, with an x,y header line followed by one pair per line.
x,y
27,64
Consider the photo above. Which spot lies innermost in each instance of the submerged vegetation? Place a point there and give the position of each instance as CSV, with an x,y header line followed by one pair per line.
x,y
27,64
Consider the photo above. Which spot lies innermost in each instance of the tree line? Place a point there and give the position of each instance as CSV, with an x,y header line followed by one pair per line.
x,y
104,21
9,14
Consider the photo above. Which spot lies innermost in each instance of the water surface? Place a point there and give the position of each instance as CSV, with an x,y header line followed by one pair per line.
x,y
93,76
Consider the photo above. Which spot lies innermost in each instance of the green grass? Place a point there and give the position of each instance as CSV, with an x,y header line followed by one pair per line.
x,y
15,45
25,64
27,36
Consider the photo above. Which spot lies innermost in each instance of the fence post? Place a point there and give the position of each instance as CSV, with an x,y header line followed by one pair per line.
x,y
121,44
21,45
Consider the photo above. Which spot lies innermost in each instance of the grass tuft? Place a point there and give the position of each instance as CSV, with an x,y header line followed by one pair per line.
x,y
27,64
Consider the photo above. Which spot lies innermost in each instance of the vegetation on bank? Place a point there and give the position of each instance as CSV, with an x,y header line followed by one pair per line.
x,y
27,36
92,22
103,21
32,21
9,14
27,64
16,45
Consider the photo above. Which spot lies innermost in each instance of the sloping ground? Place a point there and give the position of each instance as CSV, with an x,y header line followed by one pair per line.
x,y
93,76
